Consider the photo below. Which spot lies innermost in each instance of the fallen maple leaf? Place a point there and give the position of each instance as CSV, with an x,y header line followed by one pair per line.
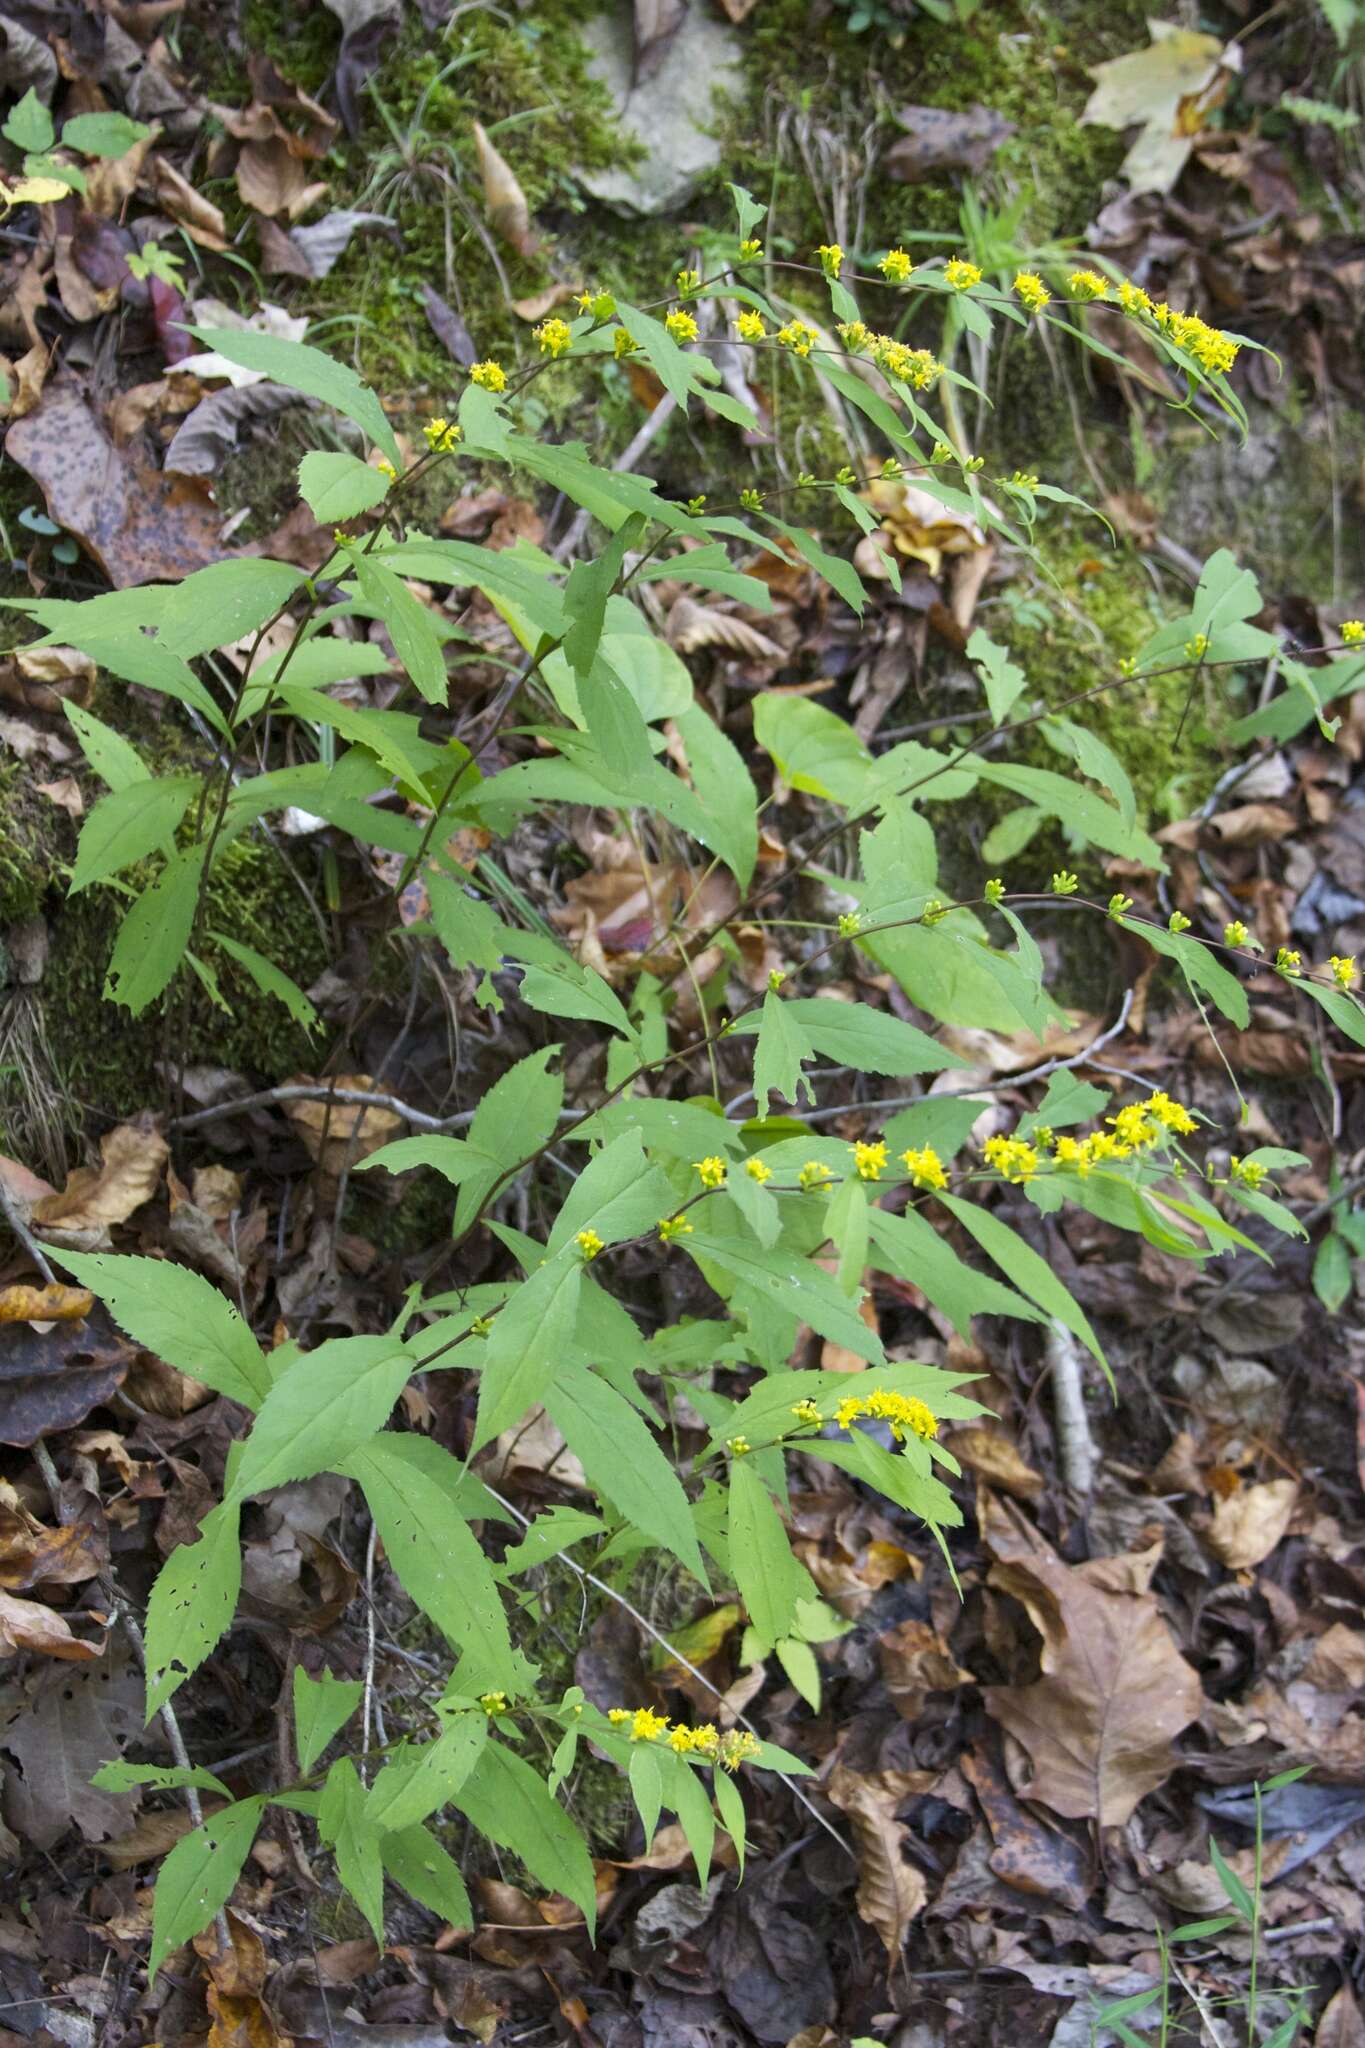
x,y
1100,1724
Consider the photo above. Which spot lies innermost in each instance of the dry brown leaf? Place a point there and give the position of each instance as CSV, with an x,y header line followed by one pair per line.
x,y
919,527
1099,1726
132,1157
1027,1854
890,1890
50,1304
1341,2025
1167,92
1254,824
66,793
33,1555
28,1625
273,179
996,1458
537,307
503,197
916,1661
692,625
152,1835
656,24
1248,1524
198,216
340,1133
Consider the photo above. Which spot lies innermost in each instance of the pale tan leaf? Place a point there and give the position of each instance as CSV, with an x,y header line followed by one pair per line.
x,y
503,197
132,1157
890,1890
996,1458
692,625
28,1625
1341,2025
1166,91
1249,1523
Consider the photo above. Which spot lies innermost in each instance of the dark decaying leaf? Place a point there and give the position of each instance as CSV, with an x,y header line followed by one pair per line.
x,y
51,1382
449,328
939,139
54,1734
656,24
139,525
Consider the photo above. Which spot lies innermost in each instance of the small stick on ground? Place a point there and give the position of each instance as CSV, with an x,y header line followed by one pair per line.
x,y
1076,1449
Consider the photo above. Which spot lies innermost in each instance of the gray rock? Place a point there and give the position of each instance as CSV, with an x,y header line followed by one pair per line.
x,y
664,112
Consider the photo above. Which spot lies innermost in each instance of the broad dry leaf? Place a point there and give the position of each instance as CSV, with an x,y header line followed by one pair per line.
x,y
337,1134
28,1625
916,1661
1100,1725
890,1890
503,197
996,1458
1166,91
132,1158
1341,2025
1249,1523
692,625
51,1304
32,1554
918,526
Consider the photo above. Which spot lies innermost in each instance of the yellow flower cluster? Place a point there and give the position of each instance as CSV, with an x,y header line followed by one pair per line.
x,y
387,470
961,274
1013,1158
1249,1172
1287,961
490,375
1353,632
680,325
1136,1127
758,1170
589,1243
1031,292
854,335
924,1167
623,344
1343,966
1209,346
869,1159
813,1175
555,337
735,1747
895,266
712,1170
750,250
807,1411
749,327
440,436
901,1411
1087,284
831,258
673,1227
798,336
916,366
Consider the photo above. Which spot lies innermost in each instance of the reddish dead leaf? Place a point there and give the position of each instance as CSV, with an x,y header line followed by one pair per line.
x,y
139,525
29,1625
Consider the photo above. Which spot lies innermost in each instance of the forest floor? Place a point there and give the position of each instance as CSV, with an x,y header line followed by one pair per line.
x,y
317,170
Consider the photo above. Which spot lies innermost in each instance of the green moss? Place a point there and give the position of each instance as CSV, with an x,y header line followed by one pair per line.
x,y
35,834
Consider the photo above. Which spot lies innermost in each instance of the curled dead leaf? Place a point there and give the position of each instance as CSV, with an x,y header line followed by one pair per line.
x,y
1248,1524
692,625
508,212
890,1890
51,1304
132,1158
29,1625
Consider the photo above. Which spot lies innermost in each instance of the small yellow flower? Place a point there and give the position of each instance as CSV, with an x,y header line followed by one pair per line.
x,y
490,375
813,1175
994,891
854,335
961,274
749,326
1024,480
1177,922
493,1703
706,1738
1197,646
387,470
758,1170
924,1167
1012,1158
831,258
737,1746
554,336
1353,632
1070,1152
869,1159
1119,904
618,1714
776,977
622,344
1236,933
589,1243
712,1170
1134,1127
645,1724
934,911
738,1446
1087,284
750,251
1171,1115
1288,962
440,435
807,1411
751,500
1031,292
673,1227
480,1326
1064,883
680,1739
688,282
1249,1172
1343,968
681,325
895,266
1133,298
798,336
850,924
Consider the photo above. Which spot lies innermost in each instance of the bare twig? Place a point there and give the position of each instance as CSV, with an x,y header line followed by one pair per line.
x,y
1075,1445
26,1238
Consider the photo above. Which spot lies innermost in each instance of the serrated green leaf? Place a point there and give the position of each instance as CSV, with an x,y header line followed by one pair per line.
x,y
300,368
527,1345
320,1411
322,1706
337,487
1031,1274
28,125
1002,679
617,1194
152,939
412,1786
411,627
814,750
178,1315
344,1822
769,1578
197,1877
270,980
193,1599
794,1285
108,134
422,1867
510,1803
121,1777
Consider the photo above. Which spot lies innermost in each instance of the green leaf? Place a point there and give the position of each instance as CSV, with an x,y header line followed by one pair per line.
x,y
28,125
623,1462
411,627
778,1056
152,939
814,750
222,603
1011,834
112,757
617,1194
508,1802
731,1807
856,1035
1001,678
344,1822
910,1246
109,134
798,1661
423,1868
121,1777
794,1285
270,980
1344,1011
684,1793
1030,1273
192,1602
549,1535
412,1786
1095,759
1079,808
324,1406
747,209
769,1578
412,1489
197,1877
846,1228
1199,967
1232,1884
178,1315
527,1346
724,789
568,989
339,487
322,1706
1332,1279
647,1789
305,369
